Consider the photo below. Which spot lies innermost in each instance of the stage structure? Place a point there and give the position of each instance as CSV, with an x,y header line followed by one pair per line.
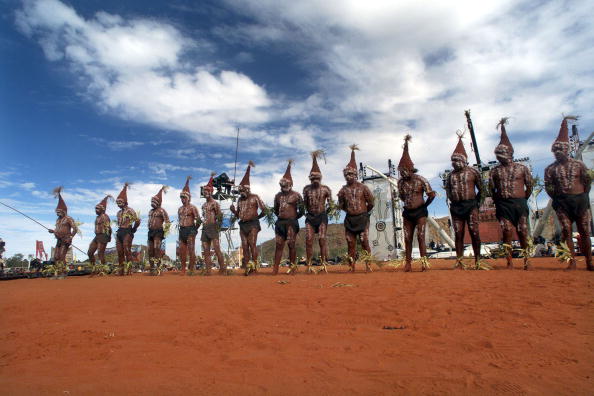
x,y
385,228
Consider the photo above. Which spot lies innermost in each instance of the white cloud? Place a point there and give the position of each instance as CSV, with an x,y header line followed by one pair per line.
x,y
386,67
135,70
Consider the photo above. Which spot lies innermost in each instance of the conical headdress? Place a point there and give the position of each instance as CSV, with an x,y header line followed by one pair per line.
x,y
504,140
123,195
405,161
186,189
563,136
352,165
103,203
210,185
246,177
460,152
287,175
159,196
61,203
315,169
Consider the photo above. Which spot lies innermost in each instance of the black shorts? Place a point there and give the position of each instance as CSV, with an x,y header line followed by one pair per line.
x,y
356,224
573,205
122,232
316,220
246,226
157,233
102,238
415,214
186,232
62,243
209,232
281,227
511,209
463,209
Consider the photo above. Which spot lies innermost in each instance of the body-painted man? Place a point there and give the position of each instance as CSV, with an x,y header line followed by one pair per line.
x,y
189,221
158,218
357,201
411,190
249,221
568,184
510,184
288,208
102,232
213,217
65,229
463,189
317,198
128,223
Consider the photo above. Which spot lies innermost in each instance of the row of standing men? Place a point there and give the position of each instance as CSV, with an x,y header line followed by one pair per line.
x,y
567,182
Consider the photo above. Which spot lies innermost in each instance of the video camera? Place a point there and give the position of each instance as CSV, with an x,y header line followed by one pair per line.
x,y
224,188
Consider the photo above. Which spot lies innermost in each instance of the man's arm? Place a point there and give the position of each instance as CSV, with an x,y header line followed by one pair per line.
x,y
400,190
197,218
548,181
329,199
165,216
300,206
304,195
528,183
342,204
492,189
136,221
369,199
262,207
218,213
428,190
276,204
448,186
106,223
73,227
585,177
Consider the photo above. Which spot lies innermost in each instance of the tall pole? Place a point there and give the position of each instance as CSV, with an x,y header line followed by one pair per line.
x,y
236,149
473,137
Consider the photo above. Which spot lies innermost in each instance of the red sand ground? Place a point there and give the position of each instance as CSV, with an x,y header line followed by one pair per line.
x,y
473,332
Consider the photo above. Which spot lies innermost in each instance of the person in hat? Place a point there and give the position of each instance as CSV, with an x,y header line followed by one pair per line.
x,y
213,217
189,221
158,217
318,199
411,190
463,189
568,184
128,223
249,221
102,232
357,201
510,185
65,229
288,208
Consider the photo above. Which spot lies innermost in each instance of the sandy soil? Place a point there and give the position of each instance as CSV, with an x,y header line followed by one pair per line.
x,y
452,332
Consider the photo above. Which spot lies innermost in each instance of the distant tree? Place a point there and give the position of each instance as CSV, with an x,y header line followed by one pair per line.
x,y
18,260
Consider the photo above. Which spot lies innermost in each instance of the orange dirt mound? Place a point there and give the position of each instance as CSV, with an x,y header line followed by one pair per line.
x,y
387,332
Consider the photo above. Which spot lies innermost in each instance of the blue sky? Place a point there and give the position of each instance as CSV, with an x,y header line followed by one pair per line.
x,y
95,93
